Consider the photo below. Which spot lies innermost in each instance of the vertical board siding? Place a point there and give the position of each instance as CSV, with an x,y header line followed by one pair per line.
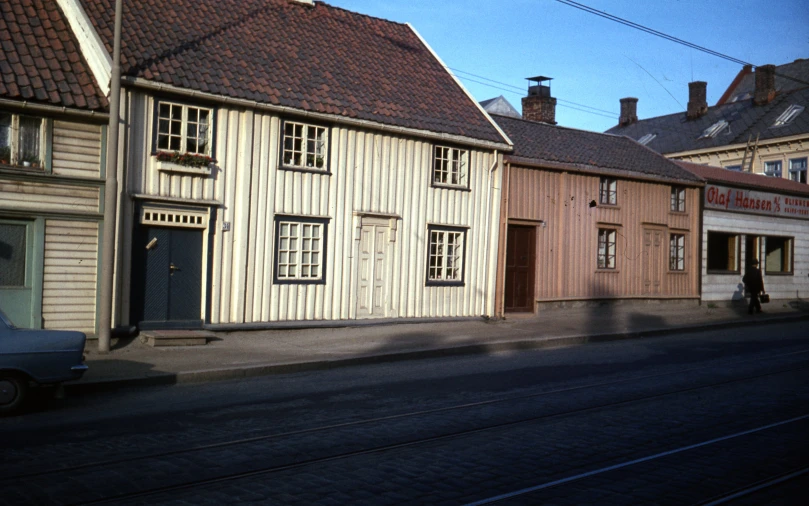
x,y
725,287
69,279
567,234
370,173
76,149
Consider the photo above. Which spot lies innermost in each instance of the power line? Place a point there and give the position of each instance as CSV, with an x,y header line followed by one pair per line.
x,y
651,31
520,91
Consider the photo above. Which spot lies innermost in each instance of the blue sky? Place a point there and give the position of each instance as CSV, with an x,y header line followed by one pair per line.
x,y
595,62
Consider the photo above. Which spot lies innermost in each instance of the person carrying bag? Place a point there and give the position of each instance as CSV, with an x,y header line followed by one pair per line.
x,y
754,284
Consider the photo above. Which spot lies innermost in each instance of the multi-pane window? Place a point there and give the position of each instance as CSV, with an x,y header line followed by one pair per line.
x,y
677,252
300,250
736,168
608,191
445,256
797,170
21,140
723,252
678,199
778,255
184,129
772,169
450,166
305,146
606,248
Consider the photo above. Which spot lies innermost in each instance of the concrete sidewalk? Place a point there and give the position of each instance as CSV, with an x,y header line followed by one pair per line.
x,y
260,352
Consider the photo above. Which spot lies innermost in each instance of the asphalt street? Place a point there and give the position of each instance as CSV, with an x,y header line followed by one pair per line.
x,y
718,417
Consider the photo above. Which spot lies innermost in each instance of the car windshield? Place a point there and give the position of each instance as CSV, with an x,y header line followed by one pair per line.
x,y
4,319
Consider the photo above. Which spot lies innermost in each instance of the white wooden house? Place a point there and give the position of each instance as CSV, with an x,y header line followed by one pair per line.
x,y
52,127
327,168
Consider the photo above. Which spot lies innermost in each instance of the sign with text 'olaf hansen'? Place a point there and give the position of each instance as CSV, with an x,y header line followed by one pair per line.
x,y
772,204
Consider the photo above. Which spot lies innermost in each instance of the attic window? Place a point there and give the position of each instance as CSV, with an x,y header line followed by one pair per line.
x,y
787,116
646,139
714,129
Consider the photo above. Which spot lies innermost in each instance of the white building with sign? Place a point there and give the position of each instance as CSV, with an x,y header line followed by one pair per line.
x,y
750,216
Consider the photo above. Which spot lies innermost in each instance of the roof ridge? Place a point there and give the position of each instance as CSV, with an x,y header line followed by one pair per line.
x,y
355,13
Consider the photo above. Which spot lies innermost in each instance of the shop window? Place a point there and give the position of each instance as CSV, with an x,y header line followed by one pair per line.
x,y
21,140
723,252
677,252
778,255
445,257
797,170
300,250
678,199
608,191
451,167
606,248
305,146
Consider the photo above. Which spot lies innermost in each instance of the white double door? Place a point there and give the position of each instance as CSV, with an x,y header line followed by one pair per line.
x,y
372,293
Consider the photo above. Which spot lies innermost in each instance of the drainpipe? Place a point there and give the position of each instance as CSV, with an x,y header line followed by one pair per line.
x,y
488,234
110,192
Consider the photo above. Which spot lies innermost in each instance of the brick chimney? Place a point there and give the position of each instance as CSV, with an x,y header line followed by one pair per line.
x,y
765,85
539,105
629,111
697,99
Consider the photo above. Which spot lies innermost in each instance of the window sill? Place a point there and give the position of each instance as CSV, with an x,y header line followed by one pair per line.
x,y
608,271
174,167
779,273
729,273
616,207
441,186
310,170
23,168
444,283
681,273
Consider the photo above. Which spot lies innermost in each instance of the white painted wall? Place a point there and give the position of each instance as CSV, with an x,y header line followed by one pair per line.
x,y
372,173
725,287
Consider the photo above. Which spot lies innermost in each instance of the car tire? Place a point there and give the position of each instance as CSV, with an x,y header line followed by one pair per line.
x,y
13,389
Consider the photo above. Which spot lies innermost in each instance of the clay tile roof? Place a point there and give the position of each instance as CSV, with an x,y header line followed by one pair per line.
x,y
541,143
34,35
316,58
745,179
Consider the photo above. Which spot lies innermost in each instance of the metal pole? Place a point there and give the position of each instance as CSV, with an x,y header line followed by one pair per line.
x,y
110,192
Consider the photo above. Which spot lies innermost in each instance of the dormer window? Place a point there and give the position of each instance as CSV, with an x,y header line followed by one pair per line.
x,y
787,116
713,130
646,139
184,129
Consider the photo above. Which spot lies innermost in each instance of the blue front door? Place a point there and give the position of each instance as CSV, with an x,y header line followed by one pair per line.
x,y
169,288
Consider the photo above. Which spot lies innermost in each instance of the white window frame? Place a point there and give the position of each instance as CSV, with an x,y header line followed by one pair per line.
x,y
788,115
14,143
300,250
304,146
450,167
713,130
774,172
607,249
678,199
446,255
608,191
184,122
677,252
798,172
646,139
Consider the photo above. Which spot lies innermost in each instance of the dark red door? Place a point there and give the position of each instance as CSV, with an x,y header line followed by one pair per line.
x,y
520,262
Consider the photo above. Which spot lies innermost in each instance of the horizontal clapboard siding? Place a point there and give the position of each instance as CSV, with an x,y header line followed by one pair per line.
x,y
69,280
25,195
76,149
724,287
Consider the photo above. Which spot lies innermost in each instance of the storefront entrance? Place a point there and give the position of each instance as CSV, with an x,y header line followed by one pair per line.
x,y
520,265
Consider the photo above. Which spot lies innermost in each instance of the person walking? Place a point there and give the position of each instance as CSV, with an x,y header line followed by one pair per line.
x,y
755,285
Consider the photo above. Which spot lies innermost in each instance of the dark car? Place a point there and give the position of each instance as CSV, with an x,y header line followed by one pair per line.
x,y
43,357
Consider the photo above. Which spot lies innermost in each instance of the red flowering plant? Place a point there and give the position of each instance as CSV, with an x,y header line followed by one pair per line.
x,y
185,159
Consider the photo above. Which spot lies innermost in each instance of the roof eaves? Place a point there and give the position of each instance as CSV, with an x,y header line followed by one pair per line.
x,y
461,86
